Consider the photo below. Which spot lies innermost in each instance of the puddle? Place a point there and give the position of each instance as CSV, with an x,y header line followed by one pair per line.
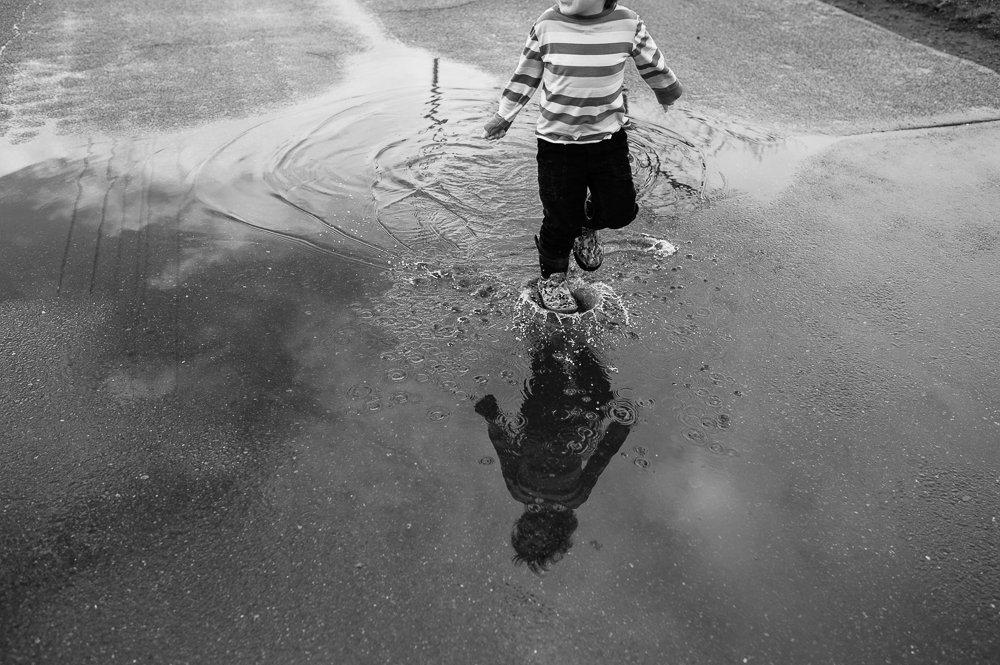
x,y
393,179
315,305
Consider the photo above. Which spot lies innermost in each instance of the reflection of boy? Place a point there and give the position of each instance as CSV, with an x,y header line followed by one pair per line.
x,y
576,52
550,462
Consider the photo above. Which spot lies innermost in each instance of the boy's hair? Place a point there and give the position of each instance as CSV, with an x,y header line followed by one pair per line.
x,y
542,538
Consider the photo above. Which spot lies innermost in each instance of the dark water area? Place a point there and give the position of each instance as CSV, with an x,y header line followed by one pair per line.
x,y
277,391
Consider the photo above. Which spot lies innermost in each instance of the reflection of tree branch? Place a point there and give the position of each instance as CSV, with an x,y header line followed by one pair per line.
x,y
121,221
73,219
104,214
436,95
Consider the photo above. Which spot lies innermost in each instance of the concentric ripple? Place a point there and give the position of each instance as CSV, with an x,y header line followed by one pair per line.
x,y
381,177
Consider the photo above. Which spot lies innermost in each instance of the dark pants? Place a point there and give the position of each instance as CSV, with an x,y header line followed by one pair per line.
x,y
565,173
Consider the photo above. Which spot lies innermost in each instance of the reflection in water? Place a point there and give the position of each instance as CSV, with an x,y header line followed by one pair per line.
x,y
555,448
208,298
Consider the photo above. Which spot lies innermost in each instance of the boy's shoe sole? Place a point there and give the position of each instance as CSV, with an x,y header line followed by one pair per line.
x,y
555,294
587,250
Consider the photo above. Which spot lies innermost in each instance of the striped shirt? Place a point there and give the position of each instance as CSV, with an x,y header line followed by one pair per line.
x,y
579,61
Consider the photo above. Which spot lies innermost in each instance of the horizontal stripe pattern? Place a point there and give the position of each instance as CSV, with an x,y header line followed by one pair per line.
x,y
559,48
579,62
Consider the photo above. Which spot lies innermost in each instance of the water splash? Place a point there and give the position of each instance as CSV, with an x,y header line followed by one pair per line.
x,y
662,249
598,303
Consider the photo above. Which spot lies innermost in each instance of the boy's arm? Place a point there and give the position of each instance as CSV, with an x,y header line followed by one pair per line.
x,y
488,408
609,446
520,88
653,67
508,454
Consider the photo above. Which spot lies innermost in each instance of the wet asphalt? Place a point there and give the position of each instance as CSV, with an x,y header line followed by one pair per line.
x,y
152,67
857,524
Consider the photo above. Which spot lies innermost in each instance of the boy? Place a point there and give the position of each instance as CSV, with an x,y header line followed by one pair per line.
x,y
577,50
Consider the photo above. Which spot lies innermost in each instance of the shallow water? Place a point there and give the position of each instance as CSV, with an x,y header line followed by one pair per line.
x,y
247,372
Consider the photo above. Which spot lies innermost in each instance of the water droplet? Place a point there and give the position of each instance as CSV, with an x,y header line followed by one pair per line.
x,y
360,391
486,461
400,397
438,413
640,462
695,436
640,451
682,395
396,375
622,411
517,421
344,336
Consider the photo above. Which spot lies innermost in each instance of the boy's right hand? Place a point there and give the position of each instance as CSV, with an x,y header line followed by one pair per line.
x,y
488,408
496,128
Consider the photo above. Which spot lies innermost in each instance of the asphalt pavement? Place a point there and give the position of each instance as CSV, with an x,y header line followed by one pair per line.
x,y
832,304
